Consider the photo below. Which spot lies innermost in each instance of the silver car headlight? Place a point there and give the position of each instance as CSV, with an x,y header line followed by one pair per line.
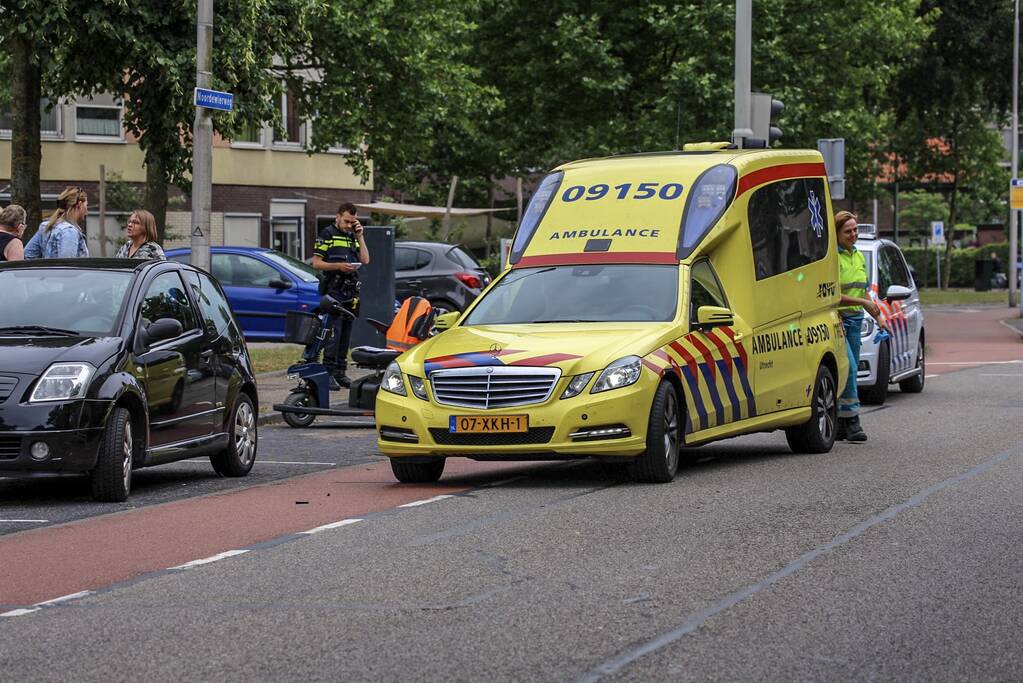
x,y
393,381
577,384
621,373
63,382
868,327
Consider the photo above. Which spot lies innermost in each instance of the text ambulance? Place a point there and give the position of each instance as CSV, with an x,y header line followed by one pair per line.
x,y
652,302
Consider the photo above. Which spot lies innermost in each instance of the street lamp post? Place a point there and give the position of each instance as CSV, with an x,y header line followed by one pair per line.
x,y
1013,216
202,143
743,56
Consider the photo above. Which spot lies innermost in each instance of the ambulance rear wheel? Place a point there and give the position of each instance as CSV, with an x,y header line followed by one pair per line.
x,y
659,462
817,435
417,472
299,399
877,394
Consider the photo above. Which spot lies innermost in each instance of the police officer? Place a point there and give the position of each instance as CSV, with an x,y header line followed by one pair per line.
x,y
854,282
338,252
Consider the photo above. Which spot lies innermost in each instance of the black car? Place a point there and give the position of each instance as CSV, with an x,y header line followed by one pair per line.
x,y
445,274
110,365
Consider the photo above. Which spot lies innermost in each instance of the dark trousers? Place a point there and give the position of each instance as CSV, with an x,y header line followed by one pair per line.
x,y
335,353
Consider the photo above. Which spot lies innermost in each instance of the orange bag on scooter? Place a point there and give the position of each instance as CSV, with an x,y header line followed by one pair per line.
x,y
411,324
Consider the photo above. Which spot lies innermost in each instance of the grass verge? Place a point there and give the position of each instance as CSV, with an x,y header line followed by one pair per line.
x,y
931,296
270,358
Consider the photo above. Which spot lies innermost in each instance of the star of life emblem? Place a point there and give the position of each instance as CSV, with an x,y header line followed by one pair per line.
x,y
816,219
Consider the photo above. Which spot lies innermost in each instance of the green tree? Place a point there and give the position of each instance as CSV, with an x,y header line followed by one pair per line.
x,y
950,96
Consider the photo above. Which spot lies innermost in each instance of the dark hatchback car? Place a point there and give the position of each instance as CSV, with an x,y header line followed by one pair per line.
x,y
445,274
110,365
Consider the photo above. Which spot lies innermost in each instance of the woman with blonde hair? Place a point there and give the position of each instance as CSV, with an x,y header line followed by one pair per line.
x,y
141,242
12,227
61,235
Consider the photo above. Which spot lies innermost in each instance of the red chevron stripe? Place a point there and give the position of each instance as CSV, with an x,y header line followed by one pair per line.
x,y
782,172
657,369
708,357
686,356
738,347
723,348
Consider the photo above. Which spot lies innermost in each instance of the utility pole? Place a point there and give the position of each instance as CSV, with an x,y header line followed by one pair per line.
x,y
743,57
1013,216
202,143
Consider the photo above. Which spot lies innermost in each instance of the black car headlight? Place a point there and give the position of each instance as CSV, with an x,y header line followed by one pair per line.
x,y
63,382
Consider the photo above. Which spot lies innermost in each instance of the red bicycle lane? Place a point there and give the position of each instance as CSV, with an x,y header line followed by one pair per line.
x,y
960,338
90,554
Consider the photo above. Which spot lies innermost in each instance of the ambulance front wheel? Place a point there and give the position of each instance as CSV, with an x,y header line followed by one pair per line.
x,y
659,462
817,435
417,472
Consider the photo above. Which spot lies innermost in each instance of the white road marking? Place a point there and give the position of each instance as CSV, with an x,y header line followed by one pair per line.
x,y
977,362
46,603
332,525
207,560
930,376
417,503
24,521
995,374
261,462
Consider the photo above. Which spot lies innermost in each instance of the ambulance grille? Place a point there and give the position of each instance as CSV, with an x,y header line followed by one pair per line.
x,y
493,388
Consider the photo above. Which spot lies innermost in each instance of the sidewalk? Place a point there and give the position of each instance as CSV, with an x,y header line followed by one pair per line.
x,y
274,387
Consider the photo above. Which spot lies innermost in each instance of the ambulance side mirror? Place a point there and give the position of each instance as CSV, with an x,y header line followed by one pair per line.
x,y
446,321
713,316
898,293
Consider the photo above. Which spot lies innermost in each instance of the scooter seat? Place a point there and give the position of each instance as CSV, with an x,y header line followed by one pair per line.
x,y
372,357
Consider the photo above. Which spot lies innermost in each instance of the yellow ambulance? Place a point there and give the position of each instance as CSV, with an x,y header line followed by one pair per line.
x,y
652,302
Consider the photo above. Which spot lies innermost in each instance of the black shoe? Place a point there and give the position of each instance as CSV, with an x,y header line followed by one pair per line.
x,y
854,432
840,432
334,384
343,381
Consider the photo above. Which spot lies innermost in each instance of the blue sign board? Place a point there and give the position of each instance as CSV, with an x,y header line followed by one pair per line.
x,y
214,99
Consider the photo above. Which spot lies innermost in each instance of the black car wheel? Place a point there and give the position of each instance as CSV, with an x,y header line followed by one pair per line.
x,y
417,472
659,462
817,435
111,478
237,459
442,306
300,399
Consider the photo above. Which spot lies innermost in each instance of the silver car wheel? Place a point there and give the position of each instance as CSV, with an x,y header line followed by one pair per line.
x,y
671,431
244,433
825,407
127,456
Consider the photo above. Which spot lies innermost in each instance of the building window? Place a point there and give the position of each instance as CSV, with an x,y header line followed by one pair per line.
x,y
49,121
249,135
293,132
788,226
98,121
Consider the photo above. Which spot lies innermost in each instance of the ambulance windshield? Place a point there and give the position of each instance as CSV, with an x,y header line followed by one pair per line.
x,y
581,294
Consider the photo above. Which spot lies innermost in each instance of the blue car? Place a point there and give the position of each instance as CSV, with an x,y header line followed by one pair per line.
x,y
261,286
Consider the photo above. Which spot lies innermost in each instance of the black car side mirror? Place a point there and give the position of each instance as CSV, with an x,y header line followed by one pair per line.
x,y
159,330
279,283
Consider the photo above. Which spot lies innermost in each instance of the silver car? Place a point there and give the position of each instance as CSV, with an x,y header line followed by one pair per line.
x,y
900,358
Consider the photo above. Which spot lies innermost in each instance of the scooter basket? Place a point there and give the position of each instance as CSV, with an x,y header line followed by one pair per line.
x,y
301,327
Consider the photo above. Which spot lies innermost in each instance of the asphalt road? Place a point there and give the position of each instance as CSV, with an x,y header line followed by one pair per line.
x,y
898,559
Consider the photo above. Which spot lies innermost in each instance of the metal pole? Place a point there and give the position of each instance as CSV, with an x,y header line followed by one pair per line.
x,y
1013,255
102,210
895,212
202,143
743,57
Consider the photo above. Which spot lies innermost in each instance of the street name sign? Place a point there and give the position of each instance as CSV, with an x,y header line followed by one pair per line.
x,y
1016,193
214,99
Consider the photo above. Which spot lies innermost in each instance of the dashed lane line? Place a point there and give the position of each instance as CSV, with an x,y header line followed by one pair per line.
x,y
24,521
46,603
332,525
417,503
212,558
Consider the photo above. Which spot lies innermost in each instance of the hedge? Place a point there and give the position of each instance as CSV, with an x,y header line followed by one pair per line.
x,y
963,261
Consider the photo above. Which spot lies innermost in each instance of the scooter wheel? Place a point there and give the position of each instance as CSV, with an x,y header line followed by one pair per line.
x,y
299,398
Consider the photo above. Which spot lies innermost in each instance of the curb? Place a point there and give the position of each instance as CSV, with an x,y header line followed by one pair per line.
x,y
1012,327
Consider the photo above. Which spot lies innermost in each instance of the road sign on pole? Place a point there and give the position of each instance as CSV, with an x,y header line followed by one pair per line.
x,y
213,99
833,151
937,232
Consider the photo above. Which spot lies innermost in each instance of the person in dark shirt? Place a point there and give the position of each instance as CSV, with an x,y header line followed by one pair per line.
x,y
338,253
12,227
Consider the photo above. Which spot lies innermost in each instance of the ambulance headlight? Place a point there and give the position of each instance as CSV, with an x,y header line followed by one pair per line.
x,y
621,373
577,384
418,386
393,381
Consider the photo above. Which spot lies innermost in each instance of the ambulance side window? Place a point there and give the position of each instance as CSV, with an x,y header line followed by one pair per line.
x,y
787,225
704,289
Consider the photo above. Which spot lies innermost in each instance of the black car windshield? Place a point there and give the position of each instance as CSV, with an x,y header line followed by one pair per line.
x,y
585,294
86,302
302,271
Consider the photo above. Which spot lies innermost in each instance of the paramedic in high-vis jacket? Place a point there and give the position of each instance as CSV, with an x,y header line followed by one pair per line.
x,y
338,253
854,283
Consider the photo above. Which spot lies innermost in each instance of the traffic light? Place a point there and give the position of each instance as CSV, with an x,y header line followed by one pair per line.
x,y
763,109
